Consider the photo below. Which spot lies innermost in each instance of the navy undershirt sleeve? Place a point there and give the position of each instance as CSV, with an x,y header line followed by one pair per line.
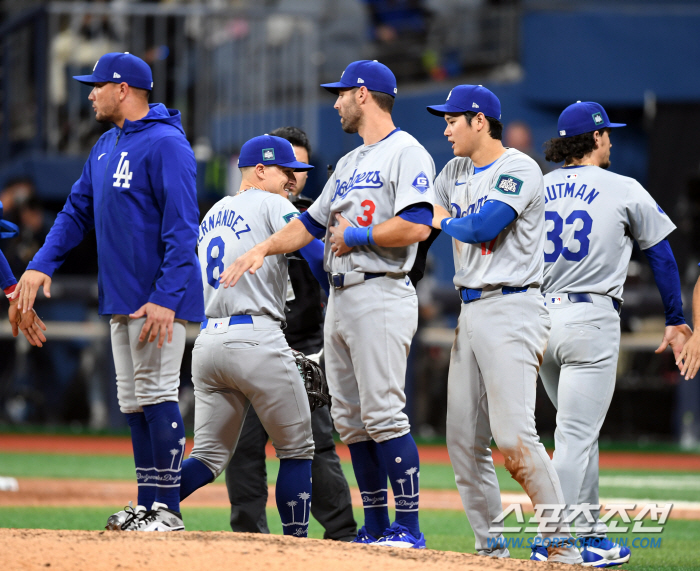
x,y
313,254
312,227
665,270
421,213
483,226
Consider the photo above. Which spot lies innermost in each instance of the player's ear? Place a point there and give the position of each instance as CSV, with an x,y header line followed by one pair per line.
x,y
260,171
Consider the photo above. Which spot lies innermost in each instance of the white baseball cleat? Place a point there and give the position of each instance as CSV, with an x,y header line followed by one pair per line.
x,y
126,519
601,552
160,518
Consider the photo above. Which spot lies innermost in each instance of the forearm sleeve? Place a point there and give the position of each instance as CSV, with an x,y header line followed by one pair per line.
x,y
665,270
483,226
313,254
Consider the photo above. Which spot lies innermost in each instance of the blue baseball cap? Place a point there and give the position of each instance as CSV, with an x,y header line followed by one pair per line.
x,y
583,117
270,150
474,98
116,67
373,75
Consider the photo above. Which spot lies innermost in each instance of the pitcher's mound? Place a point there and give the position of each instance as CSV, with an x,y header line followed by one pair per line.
x,y
214,551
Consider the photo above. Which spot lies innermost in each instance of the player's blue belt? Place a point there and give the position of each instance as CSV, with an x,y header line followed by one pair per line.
x,y
337,281
233,320
468,294
586,298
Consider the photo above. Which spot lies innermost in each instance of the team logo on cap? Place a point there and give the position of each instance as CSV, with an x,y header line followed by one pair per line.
x,y
508,184
116,76
94,68
421,183
598,118
448,95
562,133
268,154
475,106
360,80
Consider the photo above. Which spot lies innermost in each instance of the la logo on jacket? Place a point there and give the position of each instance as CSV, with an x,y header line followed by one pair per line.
x,y
123,177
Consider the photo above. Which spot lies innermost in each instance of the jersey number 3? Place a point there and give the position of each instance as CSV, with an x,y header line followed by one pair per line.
x,y
366,218
215,260
581,235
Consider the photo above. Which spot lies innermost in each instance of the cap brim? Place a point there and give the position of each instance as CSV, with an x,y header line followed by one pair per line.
x,y
440,110
617,125
89,79
296,165
334,87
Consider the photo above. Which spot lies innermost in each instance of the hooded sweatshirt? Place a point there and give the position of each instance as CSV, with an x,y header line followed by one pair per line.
x,y
138,191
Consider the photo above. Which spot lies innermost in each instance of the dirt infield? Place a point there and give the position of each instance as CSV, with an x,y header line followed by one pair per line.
x,y
429,454
29,549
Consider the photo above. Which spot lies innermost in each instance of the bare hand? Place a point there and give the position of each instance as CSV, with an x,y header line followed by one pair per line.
x,y
28,323
159,321
688,358
27,288
250,262
337,236
439,214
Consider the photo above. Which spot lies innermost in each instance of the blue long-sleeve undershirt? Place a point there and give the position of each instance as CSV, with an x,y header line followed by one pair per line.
x,y
665,270
313,254
482,226
7,279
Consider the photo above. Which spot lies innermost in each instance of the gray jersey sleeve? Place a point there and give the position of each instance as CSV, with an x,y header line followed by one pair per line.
x,y
414,176
648,224
442,188
320,210
278,212
516,183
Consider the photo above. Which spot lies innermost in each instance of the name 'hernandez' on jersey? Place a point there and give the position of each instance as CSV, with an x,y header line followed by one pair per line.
x,y
370,185
232,227
593,216
513,258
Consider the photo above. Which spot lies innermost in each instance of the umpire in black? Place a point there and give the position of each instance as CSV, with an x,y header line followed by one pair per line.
x,y
246,475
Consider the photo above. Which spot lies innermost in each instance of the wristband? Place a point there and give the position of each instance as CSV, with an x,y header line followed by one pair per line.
x,y
8,290
358,236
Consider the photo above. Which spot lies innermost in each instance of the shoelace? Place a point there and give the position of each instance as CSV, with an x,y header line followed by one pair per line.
x,y
132,515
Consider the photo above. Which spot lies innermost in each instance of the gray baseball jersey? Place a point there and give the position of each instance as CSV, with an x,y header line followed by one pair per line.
x,y
508,260
232,227
499,344
593,217
370,185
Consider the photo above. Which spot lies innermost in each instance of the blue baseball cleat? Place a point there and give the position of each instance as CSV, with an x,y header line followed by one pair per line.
x,y
601,552
539,553
363,536
398,536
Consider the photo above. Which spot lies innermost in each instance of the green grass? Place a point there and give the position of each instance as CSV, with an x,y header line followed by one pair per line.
x,y
678,486
445,530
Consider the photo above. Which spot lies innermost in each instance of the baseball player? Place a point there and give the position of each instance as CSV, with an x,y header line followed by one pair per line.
x,y
490,200
137,191
593,216
241,357
372,211
28,323
246,476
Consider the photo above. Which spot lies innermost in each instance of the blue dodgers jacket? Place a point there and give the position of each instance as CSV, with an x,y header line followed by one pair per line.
x,y
138,191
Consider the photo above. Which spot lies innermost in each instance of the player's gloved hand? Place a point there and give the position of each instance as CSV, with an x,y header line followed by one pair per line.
x,y
337,238
688,358
251,261
159,321
27,288
28,323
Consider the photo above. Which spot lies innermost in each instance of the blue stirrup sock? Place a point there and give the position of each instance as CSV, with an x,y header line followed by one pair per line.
x,y
401,458
168,446
143,458
293,495
195,474
371,474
